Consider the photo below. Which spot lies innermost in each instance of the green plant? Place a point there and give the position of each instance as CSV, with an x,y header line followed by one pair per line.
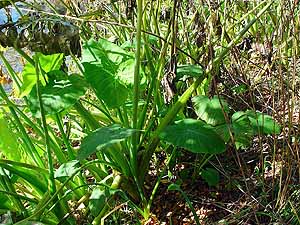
x,y
122,122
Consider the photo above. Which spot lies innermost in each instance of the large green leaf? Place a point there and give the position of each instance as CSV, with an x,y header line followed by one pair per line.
x,y
210,110
47,62
101,138
9,144
106,85
60,93
247,124
195,136
109,69
103,52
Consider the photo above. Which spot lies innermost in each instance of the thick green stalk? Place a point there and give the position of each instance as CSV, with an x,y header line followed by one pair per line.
x,y
136,94
52,187
136,81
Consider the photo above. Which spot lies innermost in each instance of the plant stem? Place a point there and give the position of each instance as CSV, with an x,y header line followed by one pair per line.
x,y
52,187
158,181
70,150
136,94
188,201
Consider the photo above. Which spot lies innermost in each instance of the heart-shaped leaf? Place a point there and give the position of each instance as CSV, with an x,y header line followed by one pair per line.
x,y
106,85
109,69
101,138
195,136
210,110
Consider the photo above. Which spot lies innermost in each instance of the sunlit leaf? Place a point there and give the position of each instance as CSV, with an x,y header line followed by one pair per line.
x,y
60,93
106,85
9,144
103,52
47,62
109,70
210,110
195,136
101,138
247,124
126,72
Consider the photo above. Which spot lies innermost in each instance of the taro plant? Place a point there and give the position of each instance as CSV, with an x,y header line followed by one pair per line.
x,y
119,127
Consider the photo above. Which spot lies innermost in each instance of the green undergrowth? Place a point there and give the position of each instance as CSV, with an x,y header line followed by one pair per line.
x,y
95,138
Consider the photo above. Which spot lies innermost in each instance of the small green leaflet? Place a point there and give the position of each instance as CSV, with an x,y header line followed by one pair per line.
x,y
211,176
188,71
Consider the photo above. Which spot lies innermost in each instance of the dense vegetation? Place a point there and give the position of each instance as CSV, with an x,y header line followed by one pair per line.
x,y
149,112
